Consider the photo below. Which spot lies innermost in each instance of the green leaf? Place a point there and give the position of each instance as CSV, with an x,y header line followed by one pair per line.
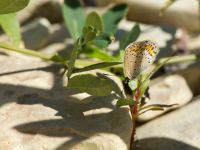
x,y
103,40
10,25
113,16
95,52
178,59
133,84
74,17
10,6
91,84
58,58
97,66
89,33
144,78
94,20
125,102
73,57
158,66
101,43
130,37
54,58
157,105
120,56
143,82
154,107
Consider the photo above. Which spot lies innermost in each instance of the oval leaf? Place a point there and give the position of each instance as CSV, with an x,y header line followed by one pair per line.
x,y
94,20
95,52
89,33
113,16
125,102
133,84
10,6
103,40
131,36
74,17
10,25
91,84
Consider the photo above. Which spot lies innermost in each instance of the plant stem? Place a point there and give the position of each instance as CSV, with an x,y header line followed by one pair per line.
x,y
177,59
25,51
134,112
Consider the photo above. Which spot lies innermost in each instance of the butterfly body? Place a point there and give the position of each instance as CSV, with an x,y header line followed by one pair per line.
x,y
139,56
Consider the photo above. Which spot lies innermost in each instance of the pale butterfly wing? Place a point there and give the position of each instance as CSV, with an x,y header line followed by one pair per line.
x,y
139,56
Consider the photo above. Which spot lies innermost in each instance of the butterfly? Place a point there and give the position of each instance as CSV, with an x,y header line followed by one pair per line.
x,y
138,57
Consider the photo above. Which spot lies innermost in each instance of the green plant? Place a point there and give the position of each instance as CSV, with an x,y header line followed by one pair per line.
x,y
92,34
8,18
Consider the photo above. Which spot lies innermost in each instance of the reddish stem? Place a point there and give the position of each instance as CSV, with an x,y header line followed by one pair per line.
x,y
134,111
